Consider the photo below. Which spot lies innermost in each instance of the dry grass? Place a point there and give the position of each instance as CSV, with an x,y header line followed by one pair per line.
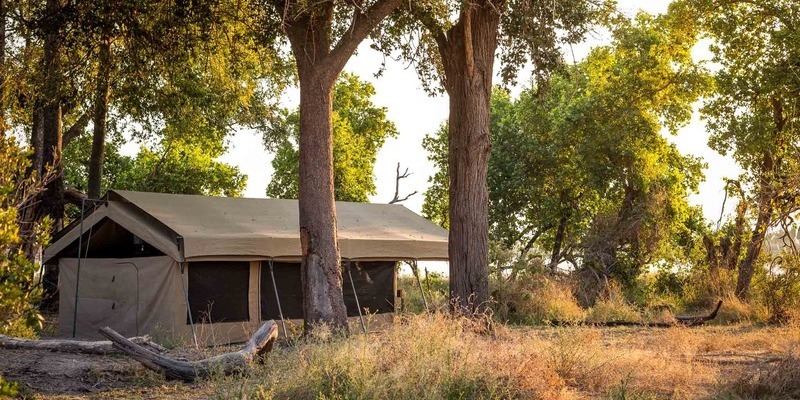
x,y
536,301
438,357
435,357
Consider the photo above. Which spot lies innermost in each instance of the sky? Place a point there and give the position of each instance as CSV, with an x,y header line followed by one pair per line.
x,y
416,114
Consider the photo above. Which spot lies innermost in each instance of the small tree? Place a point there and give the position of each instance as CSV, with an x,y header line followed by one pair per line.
x,y
18,290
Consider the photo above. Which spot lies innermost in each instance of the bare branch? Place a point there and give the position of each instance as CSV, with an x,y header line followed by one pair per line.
x,y
398,177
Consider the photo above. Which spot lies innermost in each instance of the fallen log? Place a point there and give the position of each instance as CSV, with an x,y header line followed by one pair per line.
x,y
228,363
690,320
74,346
681,320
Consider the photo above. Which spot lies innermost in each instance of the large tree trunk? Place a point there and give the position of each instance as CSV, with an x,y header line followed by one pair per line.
x,y
320,269
309,29
100,119
468,59
52,201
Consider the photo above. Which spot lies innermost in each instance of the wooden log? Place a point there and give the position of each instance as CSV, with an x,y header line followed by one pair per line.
x,y
228,363
74,346
699,320
681,320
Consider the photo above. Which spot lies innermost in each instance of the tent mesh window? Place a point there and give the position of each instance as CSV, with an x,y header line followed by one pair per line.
x,y
374,282
290,291
218,291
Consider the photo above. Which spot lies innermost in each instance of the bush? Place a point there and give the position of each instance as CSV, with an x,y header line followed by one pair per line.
x,y
780,290
612,306
18,290
436,288
7,389
535,299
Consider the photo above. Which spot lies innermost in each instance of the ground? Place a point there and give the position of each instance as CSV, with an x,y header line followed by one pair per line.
x,y
704,362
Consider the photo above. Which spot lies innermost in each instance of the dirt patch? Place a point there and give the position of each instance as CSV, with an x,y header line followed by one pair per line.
x,y
46,372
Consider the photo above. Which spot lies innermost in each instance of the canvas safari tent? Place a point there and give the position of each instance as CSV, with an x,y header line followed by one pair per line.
x,y
210,269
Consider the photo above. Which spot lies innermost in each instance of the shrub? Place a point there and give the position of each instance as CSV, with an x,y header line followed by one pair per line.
x,y
436,288
18,290
7,389
535,299
612,306
780,290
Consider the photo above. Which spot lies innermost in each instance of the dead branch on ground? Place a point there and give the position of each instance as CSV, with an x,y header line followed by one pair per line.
x,y
228,363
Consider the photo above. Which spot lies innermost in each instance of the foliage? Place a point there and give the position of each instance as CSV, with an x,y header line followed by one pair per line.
x,y
754,111
584,156
19,292
8,389
780,290
359,130
529,32
533,298
172,166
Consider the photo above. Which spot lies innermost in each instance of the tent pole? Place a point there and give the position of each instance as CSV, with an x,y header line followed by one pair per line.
x,y
278,300
358,306
188,307
415,270
78,274
86,254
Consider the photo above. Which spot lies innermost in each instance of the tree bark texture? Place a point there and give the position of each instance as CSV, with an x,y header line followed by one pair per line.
x,y
319,62
100,119
320,269
467,54
52,202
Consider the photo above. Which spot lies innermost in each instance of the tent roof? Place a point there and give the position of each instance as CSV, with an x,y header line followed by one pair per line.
x,y
202,227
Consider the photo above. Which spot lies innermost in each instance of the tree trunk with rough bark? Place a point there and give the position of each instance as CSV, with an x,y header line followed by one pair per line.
x,y
319,61
102,93
52,200
468,59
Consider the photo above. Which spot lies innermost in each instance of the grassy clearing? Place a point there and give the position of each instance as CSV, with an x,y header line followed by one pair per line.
x,y
437,357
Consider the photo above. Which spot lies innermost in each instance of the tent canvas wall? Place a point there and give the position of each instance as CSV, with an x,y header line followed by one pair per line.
x,y
181,266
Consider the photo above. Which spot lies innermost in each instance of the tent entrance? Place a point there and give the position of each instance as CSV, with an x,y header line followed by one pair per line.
x,y
109,296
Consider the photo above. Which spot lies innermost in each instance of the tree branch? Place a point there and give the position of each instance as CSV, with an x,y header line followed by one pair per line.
x,y
428,20
362,25
399,176
76,130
